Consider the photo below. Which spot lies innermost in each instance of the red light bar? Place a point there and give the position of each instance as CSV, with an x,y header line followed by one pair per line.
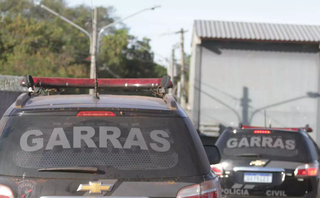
x,y
261,131
96,114
250,127
89,83
290,129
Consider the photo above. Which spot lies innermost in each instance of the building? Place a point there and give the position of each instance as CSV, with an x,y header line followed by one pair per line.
x,y
255,73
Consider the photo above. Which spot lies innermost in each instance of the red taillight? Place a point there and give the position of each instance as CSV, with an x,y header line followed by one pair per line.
x,y
96,114
307,170
208,189
5,192
217,169
190,192
262,131
312,171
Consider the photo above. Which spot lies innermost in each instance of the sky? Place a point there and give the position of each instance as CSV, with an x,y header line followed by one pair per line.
x,y
176,14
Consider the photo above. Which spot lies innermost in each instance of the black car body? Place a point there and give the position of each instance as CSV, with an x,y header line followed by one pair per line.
x,y
117,146
268,162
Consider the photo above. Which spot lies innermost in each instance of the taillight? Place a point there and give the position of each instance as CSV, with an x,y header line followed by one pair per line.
x,y
190,192
96,114
5,192
261,131
217,169
208,189
307,170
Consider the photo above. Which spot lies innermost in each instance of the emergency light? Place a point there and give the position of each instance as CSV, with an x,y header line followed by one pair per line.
x,y
89,83
45,83
307,128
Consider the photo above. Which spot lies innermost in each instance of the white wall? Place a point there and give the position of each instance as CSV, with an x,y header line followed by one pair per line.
x,y
270,76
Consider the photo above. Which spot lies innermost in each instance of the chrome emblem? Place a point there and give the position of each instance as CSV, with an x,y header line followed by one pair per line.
x,y
258,163
95,187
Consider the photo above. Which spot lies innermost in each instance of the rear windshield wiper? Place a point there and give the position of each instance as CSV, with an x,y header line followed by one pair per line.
x,y
248,155
70,169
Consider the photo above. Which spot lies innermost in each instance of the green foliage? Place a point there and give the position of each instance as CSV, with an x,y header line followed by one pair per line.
x,y
127,60
33,41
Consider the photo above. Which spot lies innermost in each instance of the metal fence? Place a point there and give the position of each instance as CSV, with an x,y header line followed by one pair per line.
x,y
11,83
10,89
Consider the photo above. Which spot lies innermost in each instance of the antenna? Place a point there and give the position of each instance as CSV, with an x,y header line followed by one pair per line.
x,y
265,118
270,123
93,56
96,85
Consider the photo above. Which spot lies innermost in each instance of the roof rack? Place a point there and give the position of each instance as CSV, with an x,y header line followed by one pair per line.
x,y
22,100
171,102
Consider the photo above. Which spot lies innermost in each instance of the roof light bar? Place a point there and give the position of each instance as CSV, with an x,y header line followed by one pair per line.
x,y
103,83
290,129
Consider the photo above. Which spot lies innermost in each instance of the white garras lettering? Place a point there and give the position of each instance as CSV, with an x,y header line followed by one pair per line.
x,y
33,140
37,142
53,141
261,142
232,143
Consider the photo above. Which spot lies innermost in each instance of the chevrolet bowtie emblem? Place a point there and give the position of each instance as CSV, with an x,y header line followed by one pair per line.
x,y
257,163
95,187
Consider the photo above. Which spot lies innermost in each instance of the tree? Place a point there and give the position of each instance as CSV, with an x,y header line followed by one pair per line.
x,y
128,60
38,47
33,41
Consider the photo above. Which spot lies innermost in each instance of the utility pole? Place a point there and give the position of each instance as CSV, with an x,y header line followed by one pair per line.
x,y
94,46
182,80
182,83
172,65
171,70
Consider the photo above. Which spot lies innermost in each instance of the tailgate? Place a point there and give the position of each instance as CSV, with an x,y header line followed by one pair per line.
x,y
39,187
263,181
262,162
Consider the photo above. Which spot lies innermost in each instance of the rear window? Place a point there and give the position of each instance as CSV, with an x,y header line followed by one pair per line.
x,y
126,147
283,146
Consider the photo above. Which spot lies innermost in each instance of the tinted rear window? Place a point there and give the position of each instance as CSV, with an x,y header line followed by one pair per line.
x,y
126,147
283,146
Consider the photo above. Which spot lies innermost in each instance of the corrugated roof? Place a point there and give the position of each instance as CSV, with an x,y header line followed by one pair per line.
x,y
257,31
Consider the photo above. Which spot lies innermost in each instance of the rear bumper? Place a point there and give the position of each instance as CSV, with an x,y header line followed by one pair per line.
x,y
235,196
290,188
308,195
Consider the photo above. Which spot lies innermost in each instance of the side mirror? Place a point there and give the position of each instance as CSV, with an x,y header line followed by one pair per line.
x,y
213,154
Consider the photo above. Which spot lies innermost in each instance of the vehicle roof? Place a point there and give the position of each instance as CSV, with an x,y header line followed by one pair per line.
x,y
106,101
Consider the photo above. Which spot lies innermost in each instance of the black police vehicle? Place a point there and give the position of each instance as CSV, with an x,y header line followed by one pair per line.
x,y
110,145
274,162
